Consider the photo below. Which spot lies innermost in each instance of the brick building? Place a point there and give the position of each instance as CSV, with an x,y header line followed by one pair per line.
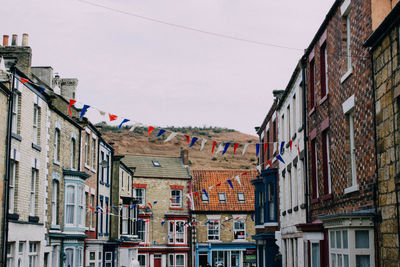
x,y
384,44
341,143
292,182
267,191
224,224
161,184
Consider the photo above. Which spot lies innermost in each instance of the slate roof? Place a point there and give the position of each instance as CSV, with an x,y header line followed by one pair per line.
x,y
170,167
203,179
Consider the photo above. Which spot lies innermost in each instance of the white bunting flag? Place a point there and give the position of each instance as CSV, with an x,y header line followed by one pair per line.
x,y
170,137
134,126
275,146
220,149
210,188
203,144
245,148
259,168
102,113
237,177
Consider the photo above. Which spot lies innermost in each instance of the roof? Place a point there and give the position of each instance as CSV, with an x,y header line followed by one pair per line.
x,y
170,167
203,179
387,24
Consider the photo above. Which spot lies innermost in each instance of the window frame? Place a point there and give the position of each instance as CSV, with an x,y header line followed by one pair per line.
x,y
144,231
239,194
323,57
36,124
12,186
142,198
312,84
217,229
33,192
15,112
173,235
73,153
57,143
326,162
204,198
72,204
176,203
241,220
222,199
33,255
55,202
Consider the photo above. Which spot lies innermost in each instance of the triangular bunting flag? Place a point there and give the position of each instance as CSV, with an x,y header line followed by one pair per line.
x,y
290,144
205,192
269,163
187,138
220,148
150,130
235,147
171,136
230,183
245,148
71,103
120,125
194,139
237,177
257,149
226,148
213,147
282,146
265,147
203,143
280,158
112,117
84,109
23,80
161,132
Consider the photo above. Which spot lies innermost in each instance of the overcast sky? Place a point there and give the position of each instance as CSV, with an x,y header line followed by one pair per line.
x,y
161,75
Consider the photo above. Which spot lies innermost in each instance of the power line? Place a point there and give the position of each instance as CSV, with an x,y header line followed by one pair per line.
x,y
188,28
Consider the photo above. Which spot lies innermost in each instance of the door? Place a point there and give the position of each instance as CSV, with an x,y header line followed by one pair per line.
x,y
203,260
235,256
108,259
157,260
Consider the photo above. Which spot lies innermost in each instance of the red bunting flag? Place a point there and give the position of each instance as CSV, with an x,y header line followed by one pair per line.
x,y
213,147
71,103
243,173
265,147
197,194
23,80
112,117
107,209
187,138
269,163
91,208
150,130
215,221
147,220
237,218
290,144
298,149
219,184
235,147
150,205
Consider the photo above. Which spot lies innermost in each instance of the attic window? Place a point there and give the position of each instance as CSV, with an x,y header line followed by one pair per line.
x,y
241,197
156,163
204,197
222,197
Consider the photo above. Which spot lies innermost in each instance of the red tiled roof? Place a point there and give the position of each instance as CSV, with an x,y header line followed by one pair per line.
x,y
203,179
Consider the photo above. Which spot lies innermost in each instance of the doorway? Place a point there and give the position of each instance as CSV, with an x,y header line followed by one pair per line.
x,y
203,260
157,260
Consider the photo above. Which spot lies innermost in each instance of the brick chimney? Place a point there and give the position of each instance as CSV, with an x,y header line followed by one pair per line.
x,y
23,53
45,74
68,87
185,156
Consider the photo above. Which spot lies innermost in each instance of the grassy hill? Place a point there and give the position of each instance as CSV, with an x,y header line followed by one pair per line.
x,y
137,142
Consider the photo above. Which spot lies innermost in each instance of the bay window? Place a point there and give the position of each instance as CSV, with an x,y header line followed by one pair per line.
x,y
70,205
75,205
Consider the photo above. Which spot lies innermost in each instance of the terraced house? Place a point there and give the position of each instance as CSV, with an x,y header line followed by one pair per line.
x,y
223,234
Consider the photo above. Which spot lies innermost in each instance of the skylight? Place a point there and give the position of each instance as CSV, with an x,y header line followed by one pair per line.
x,y
156,163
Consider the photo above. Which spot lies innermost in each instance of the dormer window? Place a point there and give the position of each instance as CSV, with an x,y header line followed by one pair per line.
x,y
156,163
204,197
222,197
241,197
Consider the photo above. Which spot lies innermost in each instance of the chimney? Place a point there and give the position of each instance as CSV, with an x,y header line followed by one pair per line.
x,y
45,74
185,156
14,40
278,93
68,87
5,40
22,54
24,39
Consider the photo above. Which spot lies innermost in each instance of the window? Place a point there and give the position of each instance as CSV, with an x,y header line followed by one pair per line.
x,y
315,258
142,231
79,255
69,257
352,181
10,254
91,214
213,230
204,197
274,130
222,197
271,202
176,232
108,259
289,190
73,153
261,203
101,215
180,260
283,127
12,184
295,114
347,29
176,196
323,56
87,149
239,230
241,197
15,111
125,218
142,260
295,186
268,148
314,170
108,169
70,205
141,196
326,162
122,180
312,81
92,259
21,254
81,206
93,153
33,192
156,163
57,145
106,215
171,260
54,203
33,254
351,247
36,124
288,131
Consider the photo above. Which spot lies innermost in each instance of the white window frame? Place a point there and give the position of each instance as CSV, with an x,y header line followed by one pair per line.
x,y
184,260
54,201
81,205
12,186
316,169
204,197
173,235
213,223
10,253
145,231
328,159
79,256
73,204
122,180
15,113
235,230
222,197
86,144
345,12
73,255
91,216
145,260
93,149
33,256
36,125
125,220
57,143
33,192
73,152
176,203
241,194
142,199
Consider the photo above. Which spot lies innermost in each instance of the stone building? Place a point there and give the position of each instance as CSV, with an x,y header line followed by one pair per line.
x,y
292,182
160,185
28,166
224,218
341,143
384,44
267,190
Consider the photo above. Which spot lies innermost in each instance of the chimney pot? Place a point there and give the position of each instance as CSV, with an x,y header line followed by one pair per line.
x,y
185,156
14,39
5,40
25,39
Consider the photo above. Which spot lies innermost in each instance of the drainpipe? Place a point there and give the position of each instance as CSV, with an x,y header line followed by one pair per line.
x,y
7,174
305,136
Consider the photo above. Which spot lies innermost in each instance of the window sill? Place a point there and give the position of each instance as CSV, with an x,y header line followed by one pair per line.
x,y
101,182
314,200
240,240
346,75
311,111
36,147
326,197
351,189
55,227
271,224
91,229
16,137
176,208
214,241
100,234
55,162
260,226
323,99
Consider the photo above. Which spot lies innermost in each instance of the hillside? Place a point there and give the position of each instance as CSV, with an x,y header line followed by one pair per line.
x,y
137,142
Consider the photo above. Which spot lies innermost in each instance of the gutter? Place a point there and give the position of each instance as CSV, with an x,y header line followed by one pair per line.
x,y
7,175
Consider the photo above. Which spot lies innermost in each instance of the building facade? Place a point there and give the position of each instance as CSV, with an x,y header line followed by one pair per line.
x,y
224,216
160,185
